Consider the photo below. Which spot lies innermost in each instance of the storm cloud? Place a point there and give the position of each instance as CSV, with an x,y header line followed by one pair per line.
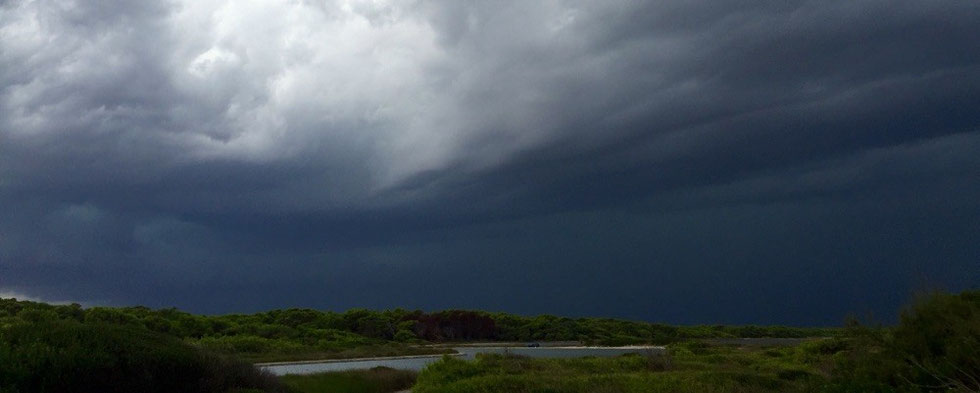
x,y
682,162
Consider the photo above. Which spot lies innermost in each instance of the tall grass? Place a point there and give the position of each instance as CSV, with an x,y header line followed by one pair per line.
x,y
376,380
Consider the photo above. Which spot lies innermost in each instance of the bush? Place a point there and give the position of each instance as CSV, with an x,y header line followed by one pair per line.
x,y
939,337
933,348
67,356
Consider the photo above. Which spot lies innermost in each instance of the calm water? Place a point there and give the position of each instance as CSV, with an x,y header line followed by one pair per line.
x,y
418,363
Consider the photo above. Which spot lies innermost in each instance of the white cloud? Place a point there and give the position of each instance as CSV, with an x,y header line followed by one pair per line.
x,y
383,90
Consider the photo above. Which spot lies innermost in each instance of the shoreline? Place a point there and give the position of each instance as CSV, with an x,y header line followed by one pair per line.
x,y
291,362
367,359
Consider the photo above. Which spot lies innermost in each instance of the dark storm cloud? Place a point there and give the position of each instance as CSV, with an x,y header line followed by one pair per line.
x,y
685,162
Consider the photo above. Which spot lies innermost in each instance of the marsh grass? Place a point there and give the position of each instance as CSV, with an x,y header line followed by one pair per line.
x,y
376,380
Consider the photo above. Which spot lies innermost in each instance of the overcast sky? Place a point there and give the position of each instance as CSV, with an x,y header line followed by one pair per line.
x,y
681,162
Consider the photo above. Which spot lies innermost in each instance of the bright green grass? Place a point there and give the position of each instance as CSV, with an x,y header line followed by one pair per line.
x,y
376,380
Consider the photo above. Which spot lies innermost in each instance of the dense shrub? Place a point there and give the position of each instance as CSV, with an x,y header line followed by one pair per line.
x,y
939,337
306,333
934,347
67,356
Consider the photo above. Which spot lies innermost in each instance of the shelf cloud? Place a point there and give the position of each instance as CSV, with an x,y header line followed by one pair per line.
x,y
667,161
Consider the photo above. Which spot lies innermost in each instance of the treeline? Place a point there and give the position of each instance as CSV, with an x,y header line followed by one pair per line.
x,y
299,329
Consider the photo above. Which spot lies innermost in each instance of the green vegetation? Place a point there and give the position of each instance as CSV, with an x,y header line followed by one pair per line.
x,y
940,337
934,348
52,348
690,367
303,334
376,380
608,331
69,356
66,348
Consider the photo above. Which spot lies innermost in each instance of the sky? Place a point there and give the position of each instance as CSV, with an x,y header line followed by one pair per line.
x,y
684,162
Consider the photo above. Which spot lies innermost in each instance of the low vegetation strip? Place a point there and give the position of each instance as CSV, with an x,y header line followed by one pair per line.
x,y
48,348
303,334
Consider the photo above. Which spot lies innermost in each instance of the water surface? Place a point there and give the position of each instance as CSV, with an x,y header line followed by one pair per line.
x,y
417,363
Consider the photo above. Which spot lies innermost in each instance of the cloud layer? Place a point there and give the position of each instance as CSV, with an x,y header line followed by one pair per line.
x,y
595,158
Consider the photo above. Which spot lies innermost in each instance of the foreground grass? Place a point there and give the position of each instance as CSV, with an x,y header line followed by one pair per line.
x,y
376,380
691,367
